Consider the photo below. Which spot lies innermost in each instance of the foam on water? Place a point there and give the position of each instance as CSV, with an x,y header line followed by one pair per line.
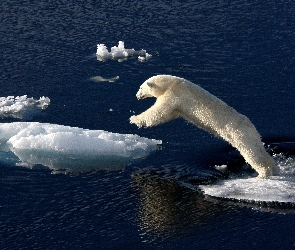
x,y
120,53
71,148
21,106
279,188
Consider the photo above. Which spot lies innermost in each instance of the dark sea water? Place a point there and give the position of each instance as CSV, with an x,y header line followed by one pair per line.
x,y
240,51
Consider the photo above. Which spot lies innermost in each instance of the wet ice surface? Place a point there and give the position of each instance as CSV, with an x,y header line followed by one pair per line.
x,y
280,188
273,189
71,149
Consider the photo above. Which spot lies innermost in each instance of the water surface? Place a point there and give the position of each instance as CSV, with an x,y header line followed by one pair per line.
x,y
241,52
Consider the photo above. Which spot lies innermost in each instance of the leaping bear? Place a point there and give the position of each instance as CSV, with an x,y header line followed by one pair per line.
x,y
177,97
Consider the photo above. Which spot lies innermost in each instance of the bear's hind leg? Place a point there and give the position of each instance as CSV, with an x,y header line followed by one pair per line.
x,y
259,160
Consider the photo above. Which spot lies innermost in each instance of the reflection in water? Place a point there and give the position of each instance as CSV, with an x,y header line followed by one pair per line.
x,y
262,206
167,209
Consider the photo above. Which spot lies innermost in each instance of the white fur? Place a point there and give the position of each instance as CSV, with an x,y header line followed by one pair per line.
x,y
177,97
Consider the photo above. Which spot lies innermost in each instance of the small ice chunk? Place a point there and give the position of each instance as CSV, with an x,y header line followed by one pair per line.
x,y
144,58
119,53
102,51
148,56
22,106
103,79
222,168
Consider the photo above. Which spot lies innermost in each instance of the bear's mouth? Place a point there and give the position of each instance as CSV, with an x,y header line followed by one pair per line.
x,y
140,97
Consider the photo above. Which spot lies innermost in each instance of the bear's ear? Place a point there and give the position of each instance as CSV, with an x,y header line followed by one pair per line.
x,y
151,84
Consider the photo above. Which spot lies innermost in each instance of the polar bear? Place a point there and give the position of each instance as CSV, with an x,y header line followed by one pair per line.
x,y
177,97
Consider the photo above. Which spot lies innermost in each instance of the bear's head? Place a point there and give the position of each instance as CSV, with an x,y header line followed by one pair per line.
x,y
155,86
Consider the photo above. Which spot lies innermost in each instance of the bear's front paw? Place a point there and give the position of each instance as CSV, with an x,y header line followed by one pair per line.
x,y
135,120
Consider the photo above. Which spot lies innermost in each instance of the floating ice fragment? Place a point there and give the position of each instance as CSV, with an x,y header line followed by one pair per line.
x,y
120,53
72,149
144,58
22,106
222,168
102,79
102,51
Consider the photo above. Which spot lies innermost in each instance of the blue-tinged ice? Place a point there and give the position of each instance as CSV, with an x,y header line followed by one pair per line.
x,y
21,106
71,149
120,53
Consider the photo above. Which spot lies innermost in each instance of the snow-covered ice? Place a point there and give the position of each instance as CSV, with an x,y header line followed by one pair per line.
x,y
71,149
22,106
279,188
120,53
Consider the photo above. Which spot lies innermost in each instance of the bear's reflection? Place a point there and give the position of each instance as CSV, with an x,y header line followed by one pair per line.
x,y
165,206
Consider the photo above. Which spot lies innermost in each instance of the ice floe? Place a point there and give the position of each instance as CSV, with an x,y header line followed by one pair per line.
x,y
71,149
279,188
21,106
120,53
